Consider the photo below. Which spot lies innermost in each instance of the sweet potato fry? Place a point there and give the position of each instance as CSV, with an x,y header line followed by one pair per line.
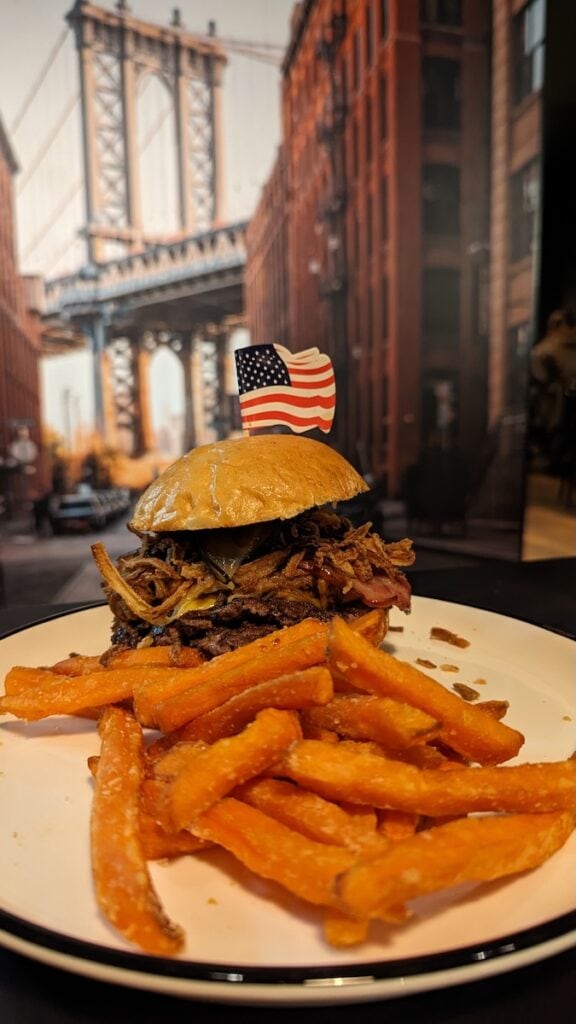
x,y
340,773
467,850
367,747
77,665
174,655
157,835
21,679
304,867
372,625
306,812
367,812
361,717
28,701
497,708
428,756
123,886
341,930
54,694
160,845
246,666
395,825
298,690
38,693
219,685
230,762
311,732
26,681
158,838
177,758
468,730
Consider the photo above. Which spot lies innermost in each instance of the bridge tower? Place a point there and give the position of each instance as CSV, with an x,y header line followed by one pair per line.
x,y
115,50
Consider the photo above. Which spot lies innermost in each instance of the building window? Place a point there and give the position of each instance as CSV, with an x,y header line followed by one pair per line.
x,y
439,419
480,302
383,105
368,126
384,307
370,319
441,12
369,224
383,19
356,60
355,233
355,149
369,34
441,199
384,209
441,100
519,338
524,202
528,49
358,325
441,306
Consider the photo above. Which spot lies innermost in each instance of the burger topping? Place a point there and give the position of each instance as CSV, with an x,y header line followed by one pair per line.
x,y
134,601
225,550
317,560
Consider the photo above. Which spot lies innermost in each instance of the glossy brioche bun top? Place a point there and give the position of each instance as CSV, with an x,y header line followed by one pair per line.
x,y
245,480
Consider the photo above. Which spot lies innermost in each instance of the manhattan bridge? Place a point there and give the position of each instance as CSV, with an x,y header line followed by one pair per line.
x,y
138,290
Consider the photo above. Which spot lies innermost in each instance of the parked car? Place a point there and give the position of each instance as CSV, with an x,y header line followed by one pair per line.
x,y
120,500
76,511
87,508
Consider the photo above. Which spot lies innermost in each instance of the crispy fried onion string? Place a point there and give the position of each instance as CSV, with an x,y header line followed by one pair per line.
x,y
155,614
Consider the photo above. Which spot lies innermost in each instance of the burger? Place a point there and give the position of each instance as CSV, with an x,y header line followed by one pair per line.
x,y
243,536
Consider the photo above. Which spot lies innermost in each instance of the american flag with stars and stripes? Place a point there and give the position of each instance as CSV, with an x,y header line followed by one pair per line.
x,y
292,389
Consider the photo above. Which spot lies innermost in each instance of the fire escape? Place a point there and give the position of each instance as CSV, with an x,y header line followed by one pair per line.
x,y
332,210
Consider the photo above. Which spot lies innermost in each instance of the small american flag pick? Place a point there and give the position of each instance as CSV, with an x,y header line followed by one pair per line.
x,y
278,387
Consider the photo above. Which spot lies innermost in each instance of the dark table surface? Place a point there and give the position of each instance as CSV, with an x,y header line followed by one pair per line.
x,y
543,593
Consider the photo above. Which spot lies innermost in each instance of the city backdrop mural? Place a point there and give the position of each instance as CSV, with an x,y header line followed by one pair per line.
x,y
360,177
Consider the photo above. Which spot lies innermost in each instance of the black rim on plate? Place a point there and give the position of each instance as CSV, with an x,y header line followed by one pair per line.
x,y
366,972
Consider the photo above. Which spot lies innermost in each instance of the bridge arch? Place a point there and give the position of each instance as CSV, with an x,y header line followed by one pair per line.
x,y
167,404
157,164
115,49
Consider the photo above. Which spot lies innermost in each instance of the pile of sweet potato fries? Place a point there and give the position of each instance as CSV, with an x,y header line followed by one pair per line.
x,y
315,758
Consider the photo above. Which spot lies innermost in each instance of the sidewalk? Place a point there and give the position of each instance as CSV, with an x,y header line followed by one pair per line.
x,y
84,586
549,528
54,570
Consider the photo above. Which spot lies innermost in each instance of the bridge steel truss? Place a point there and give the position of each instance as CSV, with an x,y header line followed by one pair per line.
x,y
138,292
115,50
185,295
206,358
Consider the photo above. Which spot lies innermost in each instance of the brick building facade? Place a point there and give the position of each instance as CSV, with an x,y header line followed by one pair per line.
x,y
518,71
410,151
266,281
20,416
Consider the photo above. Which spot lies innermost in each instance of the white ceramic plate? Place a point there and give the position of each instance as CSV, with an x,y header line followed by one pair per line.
x,y
246,941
